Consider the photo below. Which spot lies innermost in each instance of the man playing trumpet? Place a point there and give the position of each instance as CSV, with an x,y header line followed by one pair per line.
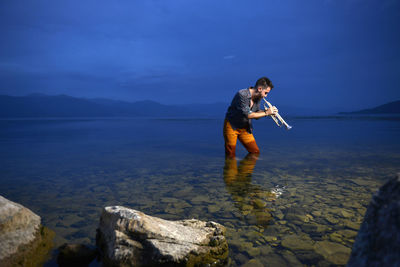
x,y
245,106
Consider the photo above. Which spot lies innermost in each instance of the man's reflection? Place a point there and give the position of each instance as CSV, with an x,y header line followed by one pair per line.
x,y
251,200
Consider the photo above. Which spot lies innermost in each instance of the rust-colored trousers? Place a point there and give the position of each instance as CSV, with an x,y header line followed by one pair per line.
x,y
231,135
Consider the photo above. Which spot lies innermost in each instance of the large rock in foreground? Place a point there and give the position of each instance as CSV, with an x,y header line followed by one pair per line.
x,y
23,241
378,240
127,237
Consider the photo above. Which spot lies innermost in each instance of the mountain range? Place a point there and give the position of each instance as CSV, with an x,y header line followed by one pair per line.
x,y
388,108
40,105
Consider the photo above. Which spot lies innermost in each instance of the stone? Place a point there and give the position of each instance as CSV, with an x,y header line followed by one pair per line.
x,y
308,256
322,228
241,258
316,213
346,214
75,255
335,237
23,241
378,240
331,219
264,250
259,204
127,237
362,182
347,233
201,198
294,242
270,238
279,215
169,200
351,225
254,252
332,252
213,208
262,218
297,217
183,192
253,263
273,260
291,259
245,246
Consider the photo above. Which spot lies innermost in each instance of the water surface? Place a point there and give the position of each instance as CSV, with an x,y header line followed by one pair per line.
x,y
300,202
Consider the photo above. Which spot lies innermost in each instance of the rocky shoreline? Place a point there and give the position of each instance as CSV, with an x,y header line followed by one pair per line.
x,y
125,237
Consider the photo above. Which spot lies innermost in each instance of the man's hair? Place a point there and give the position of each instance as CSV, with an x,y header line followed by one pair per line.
x,y
264,82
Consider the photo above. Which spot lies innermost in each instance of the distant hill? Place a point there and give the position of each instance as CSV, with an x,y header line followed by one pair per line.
x,y
389,108
40,105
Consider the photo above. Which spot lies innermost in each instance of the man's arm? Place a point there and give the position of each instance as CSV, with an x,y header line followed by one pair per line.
x,y
263,113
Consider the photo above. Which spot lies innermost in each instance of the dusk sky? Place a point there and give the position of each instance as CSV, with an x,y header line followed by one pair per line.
x,y
318,53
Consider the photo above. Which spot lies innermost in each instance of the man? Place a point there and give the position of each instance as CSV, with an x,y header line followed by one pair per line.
x,y
244,107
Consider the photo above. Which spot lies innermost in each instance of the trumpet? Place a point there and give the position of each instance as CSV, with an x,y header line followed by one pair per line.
x,y
277,118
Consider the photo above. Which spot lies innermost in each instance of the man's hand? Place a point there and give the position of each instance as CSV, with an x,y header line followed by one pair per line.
x,y
271,111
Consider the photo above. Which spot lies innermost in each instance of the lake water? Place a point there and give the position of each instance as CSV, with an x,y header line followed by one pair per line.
x,y
300,203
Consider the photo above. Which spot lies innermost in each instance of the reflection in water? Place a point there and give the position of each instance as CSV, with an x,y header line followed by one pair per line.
x,y
251,200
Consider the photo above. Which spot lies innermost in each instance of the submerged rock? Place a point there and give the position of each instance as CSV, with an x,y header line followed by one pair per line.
x,y
23,241
127,237
378,241
294,242
333,252
75,255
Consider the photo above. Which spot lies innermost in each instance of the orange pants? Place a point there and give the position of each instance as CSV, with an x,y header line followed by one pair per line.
x,y
231,135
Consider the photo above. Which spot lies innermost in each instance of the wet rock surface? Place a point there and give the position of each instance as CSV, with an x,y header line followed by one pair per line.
x,y
127,237
23,241
378,241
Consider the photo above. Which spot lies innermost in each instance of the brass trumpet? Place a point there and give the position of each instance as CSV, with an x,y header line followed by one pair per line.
x,y
277,118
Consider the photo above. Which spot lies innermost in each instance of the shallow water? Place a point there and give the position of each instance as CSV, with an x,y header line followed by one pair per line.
x,y
300,202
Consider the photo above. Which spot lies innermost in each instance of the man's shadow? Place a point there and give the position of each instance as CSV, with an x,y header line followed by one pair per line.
x,y
251,200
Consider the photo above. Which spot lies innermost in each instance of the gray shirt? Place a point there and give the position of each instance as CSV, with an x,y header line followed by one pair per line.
x,y
239,110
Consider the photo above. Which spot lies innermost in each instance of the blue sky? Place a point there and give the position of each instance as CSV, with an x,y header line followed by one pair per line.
x,y
318,53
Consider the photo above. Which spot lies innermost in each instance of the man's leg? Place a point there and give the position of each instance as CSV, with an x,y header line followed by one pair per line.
x,y
230,137
246,166
230,170
248,141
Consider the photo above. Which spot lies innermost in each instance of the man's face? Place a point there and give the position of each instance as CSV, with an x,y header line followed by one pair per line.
x,y
263,91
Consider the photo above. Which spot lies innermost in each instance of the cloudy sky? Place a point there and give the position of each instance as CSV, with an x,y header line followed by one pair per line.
x,y
319,53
